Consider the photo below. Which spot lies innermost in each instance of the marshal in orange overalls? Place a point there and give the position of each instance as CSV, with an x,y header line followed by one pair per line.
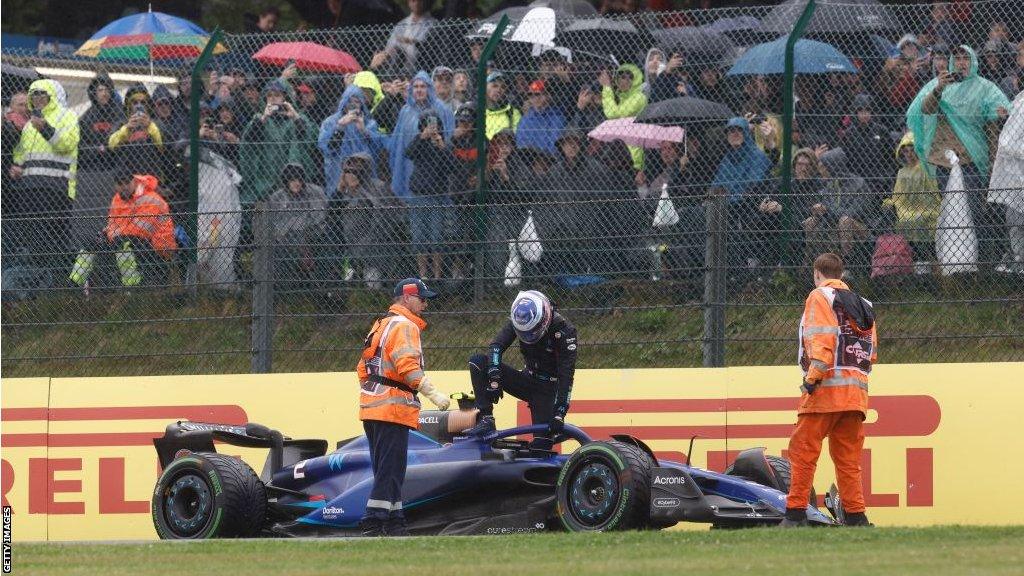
x,y
838,345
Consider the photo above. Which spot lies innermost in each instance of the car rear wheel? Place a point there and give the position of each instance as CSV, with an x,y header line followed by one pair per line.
x,y
207,495
605,486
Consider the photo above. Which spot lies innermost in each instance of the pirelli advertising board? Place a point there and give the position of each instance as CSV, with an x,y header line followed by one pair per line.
x,y
78,461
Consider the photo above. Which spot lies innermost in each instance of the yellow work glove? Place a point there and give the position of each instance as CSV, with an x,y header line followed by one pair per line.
x,y
439,399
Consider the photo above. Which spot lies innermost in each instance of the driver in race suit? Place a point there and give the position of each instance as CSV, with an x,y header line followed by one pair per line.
x,y
838,345
548,344
390,377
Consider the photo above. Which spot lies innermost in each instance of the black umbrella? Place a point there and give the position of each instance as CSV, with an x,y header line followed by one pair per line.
x,y
684,110
742,30
842,16
696,45
606,37
16,79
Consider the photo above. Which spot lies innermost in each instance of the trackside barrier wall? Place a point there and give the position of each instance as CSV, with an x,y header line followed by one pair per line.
x,y
78,461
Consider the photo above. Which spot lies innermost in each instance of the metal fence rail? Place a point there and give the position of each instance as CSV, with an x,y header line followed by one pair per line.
x,y
663,228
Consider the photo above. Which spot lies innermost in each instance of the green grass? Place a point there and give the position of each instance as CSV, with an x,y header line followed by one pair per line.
x,y
621,325
902,551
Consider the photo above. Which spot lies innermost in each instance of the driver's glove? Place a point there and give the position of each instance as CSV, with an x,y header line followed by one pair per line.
x,y
555,426
494,391
438,398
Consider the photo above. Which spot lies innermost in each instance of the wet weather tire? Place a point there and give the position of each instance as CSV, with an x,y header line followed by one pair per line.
x,y
605,486
207,495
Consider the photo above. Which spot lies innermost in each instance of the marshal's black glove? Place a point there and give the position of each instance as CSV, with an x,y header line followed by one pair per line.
x,y
494,391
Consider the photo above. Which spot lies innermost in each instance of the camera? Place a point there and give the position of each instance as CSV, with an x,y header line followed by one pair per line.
x,y
758,119
138,110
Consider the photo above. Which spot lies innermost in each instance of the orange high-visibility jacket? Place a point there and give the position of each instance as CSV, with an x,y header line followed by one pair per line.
x,y
837,355
391,368
144,215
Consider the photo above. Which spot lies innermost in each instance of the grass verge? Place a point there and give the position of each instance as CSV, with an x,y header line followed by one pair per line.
x,y
905,551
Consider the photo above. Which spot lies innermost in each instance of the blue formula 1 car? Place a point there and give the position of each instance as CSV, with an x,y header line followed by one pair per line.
x,y
454,484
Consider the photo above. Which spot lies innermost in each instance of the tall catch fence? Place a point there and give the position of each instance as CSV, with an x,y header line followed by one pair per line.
x,y
632,168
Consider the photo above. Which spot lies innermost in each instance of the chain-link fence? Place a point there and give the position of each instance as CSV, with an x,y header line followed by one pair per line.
x,y
632,168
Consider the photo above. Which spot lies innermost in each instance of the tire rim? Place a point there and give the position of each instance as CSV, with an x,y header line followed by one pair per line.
x,y
594,493
188,505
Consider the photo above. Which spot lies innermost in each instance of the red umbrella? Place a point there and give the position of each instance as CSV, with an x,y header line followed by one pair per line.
x,y
308,56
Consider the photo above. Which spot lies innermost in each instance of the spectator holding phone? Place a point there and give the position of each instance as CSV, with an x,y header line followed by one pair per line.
x,y
957,111
273,138
420,97
350,130
139,139
430,203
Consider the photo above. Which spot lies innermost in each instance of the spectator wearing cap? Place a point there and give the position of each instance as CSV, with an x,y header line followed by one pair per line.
x,y
350,130
903,75
500,113
420,97
172,123
309,104
543,123
624,98
462,186
443,78
430,204
274,137
96,163
869,147
401,50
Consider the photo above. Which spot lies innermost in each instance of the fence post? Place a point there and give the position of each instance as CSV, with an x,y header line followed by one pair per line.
x,y
262,347
716,219
480,212
787,132
192,221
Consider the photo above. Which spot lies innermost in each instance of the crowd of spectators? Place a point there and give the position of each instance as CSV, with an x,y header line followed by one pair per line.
x,y
364,169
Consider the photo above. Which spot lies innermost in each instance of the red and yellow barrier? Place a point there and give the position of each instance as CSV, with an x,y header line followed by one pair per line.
x,y
78,460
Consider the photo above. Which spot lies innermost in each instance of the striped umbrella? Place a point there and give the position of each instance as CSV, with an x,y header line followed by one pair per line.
x,y
148,36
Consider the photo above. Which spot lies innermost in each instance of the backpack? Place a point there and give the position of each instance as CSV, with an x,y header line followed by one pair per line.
x,y
893,255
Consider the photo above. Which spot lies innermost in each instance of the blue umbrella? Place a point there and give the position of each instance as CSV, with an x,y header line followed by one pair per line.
x,y
809,57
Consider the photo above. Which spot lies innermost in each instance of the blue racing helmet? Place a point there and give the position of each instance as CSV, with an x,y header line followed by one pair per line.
x,y
531,315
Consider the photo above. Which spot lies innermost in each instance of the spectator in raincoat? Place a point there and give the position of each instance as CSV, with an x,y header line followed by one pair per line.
x,y
420,97
1007,185
916,200
501,115
273,138
45,168
956,111
350,130
623,99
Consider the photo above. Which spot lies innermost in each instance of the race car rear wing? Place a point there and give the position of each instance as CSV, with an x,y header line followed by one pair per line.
x,y
200,437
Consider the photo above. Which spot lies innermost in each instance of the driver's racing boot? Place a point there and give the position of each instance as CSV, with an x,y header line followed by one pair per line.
x,y
859,519
484,427
795,518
